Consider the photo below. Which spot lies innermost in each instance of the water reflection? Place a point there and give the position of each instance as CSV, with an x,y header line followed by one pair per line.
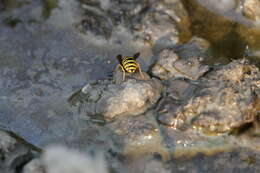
x,y
229,25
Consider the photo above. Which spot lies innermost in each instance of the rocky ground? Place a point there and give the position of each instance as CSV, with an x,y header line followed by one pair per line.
x,y
195,108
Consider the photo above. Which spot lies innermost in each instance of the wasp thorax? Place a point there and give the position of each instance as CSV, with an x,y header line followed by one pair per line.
x,y
129,64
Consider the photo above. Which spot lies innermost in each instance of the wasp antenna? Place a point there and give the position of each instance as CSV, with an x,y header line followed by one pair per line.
x,y
119,58
136,55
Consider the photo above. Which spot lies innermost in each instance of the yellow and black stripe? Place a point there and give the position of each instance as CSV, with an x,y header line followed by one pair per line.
x,y
129,64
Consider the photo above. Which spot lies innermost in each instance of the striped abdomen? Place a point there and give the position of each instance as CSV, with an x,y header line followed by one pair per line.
x,y
129,64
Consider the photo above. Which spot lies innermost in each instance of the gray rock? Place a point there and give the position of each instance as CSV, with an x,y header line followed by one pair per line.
x,y
177,93
250,10
12,153
187,141
195,47
149,21
43,60
6,142
168,112
161,22
111,100
180,89
169,65
238,160
138,135
225,99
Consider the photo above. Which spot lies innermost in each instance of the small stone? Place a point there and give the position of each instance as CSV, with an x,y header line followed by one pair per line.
x,y
167,112
225,98
110,100
169,65
139,134
13,154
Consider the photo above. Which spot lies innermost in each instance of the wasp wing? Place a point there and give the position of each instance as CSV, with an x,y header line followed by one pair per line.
x,y
136,55
119,58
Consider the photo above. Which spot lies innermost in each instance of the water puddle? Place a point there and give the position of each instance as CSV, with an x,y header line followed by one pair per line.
x,y
231,33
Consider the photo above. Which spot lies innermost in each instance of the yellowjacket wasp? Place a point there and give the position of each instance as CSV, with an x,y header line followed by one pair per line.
x,y
129,64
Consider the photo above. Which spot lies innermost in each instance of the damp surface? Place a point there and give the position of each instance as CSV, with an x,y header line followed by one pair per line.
x,y
46,55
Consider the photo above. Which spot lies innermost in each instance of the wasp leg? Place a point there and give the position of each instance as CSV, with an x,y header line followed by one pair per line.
x,y
140,71
122,70
118,65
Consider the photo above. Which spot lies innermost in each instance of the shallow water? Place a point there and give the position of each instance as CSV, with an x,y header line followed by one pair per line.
x,y
44,59
223,27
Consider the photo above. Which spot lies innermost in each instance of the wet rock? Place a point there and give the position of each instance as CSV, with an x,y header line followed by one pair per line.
x,y
14,13
163,23
7,142
111,100
249,141
187,142
169,65
180,89
138,135
250,32
252,9
249,136
33,83
12,153
101,20
145,19
196,47
238,160
177,93
223,5
167,112
44,61
225,98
